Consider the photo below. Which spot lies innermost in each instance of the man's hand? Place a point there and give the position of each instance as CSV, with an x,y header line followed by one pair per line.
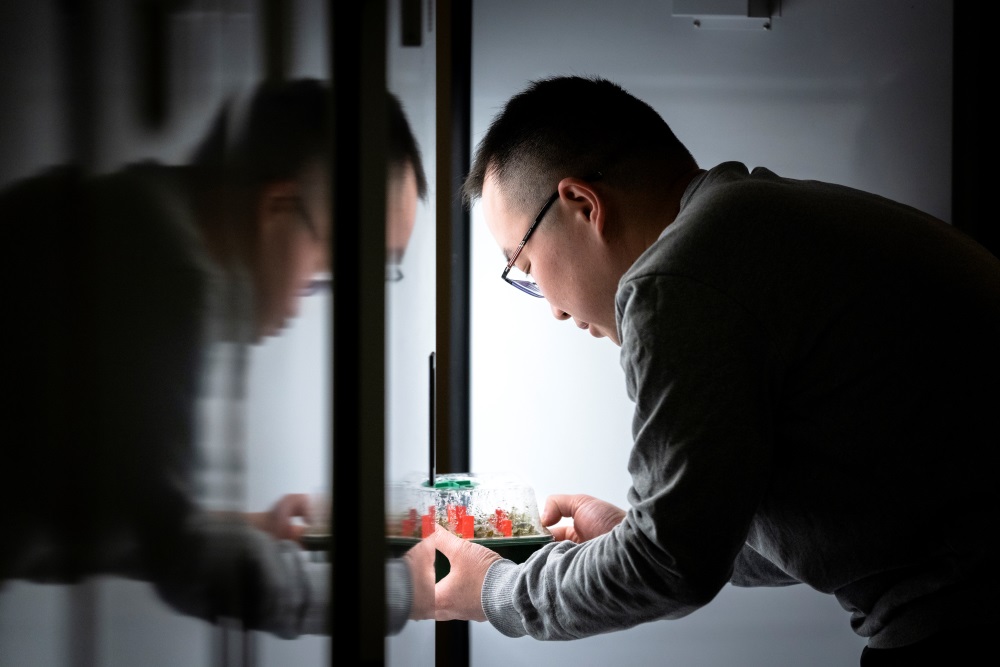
x,y
420,560
591,517
458,596
279,521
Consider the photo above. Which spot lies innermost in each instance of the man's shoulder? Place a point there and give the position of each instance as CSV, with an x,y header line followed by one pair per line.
x,y
52,187
66,191
725,187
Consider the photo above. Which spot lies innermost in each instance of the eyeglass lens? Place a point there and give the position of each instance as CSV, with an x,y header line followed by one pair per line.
x,y
393,274
526,286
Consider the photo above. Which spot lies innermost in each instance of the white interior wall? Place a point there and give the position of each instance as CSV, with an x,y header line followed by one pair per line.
x,y
852,92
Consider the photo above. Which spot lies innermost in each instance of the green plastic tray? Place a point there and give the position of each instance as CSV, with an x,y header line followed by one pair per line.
x,y
517,549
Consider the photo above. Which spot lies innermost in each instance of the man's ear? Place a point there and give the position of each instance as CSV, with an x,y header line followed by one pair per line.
x,y
276,200
585,201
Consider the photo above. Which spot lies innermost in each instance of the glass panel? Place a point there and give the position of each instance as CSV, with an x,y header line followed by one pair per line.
x,y
410,303
160,421
288,426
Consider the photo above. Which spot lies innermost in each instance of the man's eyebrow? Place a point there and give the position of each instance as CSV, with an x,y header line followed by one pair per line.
x,y
507,252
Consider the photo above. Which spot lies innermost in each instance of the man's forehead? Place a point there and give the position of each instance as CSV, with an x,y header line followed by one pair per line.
x,y
498,216
491,190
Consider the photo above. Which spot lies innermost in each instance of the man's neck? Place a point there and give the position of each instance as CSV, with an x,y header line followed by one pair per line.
x,y
662,207
217,216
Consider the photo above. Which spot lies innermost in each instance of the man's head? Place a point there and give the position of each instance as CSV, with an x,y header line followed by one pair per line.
x,y
277,164
405,182
607,160
266,170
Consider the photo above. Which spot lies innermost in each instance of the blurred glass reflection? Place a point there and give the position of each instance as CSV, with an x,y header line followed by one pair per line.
x,y
166,226
171,375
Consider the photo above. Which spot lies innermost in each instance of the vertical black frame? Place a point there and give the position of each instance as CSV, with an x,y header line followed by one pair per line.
x,y
357,549
454,110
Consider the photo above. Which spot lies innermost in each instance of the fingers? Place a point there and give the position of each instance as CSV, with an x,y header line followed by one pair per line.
x,y
293,505
560,533
420,561
458,595
446,597
447,542
422,553
559,506
280,521
590,516
552,512
294,531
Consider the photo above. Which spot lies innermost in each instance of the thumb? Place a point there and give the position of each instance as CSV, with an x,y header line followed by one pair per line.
x,y
558,506
295,532
446,541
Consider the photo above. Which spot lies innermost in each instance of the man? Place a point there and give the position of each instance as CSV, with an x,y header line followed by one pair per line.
x,y
814,376
147,286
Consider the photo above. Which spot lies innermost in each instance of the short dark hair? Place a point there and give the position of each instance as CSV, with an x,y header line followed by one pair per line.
x,y
573,126
287,127
403,147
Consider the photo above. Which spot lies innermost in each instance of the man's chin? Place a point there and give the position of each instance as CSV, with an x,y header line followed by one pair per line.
x,y
267,330
595,331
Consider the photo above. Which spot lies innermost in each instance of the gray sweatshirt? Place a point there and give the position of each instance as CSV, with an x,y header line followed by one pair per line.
x,y
815,376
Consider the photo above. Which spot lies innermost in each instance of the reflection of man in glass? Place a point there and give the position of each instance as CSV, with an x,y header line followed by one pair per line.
x,y
138,279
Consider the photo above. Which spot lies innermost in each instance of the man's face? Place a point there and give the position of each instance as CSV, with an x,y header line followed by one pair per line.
x,y
566,255
400,211
295,231
293,227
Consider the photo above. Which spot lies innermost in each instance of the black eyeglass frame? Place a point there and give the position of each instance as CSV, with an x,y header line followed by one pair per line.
x,y
527,286
322,282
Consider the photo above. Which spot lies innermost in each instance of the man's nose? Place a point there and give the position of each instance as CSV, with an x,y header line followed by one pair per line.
x,y
559,314
321,261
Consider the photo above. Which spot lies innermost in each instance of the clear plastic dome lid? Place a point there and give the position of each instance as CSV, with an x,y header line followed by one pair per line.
x,y
474,506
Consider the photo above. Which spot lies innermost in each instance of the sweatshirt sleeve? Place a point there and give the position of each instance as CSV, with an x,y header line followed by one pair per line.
x,y
690,356
228,569
498,598
398,595
752,569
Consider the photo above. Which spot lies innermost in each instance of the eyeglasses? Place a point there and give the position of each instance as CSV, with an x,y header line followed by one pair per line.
x,y
528,286
393,274
322,282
